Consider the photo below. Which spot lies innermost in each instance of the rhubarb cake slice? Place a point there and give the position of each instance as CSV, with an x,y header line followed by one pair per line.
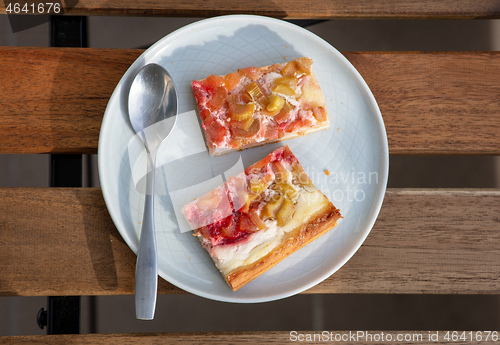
x,y
257,218
257,105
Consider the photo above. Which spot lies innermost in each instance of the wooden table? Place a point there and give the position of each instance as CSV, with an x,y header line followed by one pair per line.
x,y
425,241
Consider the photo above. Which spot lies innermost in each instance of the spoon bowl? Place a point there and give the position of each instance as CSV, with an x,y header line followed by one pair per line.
x,y
152,106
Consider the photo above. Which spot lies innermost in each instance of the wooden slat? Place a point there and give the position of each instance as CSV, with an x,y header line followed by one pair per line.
x,y
424,241
436,103
284,8
61,110
432,103
358,337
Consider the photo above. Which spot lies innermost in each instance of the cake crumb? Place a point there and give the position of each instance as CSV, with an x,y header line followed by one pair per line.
x,y
327,172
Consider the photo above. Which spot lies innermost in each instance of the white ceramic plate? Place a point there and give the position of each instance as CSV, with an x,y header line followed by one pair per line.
x,y
354,150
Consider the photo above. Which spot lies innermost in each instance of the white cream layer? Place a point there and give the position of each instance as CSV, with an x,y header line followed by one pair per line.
x,y
228,257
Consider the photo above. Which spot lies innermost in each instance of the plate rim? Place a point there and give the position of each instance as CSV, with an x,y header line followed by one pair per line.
x,y
379,194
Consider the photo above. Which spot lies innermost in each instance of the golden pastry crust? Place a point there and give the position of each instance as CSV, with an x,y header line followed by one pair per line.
x,y
324,221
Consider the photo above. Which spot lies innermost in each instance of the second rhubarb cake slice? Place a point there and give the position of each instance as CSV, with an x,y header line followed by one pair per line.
x,y
258,105
259,217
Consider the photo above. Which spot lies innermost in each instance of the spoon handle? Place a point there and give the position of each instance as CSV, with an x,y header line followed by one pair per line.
x,y
146,269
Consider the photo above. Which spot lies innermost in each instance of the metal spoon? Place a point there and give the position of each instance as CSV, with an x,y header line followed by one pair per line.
x,y
152,106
